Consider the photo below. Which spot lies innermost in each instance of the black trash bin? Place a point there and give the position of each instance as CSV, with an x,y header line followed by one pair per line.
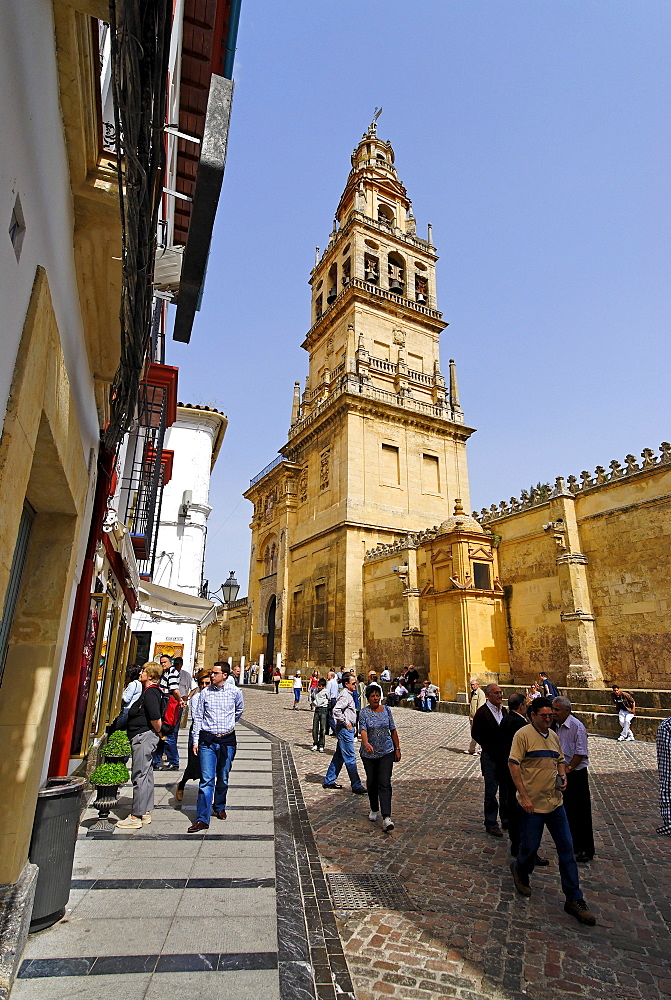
x,y
52,847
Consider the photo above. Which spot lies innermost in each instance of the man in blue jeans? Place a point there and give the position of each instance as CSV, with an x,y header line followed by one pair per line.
x,y
219,707
169,684
538,768
344,715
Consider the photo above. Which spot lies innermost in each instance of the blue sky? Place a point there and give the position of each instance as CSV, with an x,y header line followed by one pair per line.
x,y
534,137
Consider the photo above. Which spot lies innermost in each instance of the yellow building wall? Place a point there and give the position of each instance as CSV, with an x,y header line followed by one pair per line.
x,y
41,459
624,531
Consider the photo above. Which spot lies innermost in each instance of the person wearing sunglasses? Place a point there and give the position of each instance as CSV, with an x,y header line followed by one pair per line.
x,y
219,707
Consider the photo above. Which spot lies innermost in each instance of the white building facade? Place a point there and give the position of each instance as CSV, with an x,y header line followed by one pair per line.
x,y
171,606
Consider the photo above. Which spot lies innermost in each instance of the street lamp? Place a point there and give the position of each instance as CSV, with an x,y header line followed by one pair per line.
x,y
230,588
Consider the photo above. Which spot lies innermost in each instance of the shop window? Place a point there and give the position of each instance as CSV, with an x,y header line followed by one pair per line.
x,y
143,647
482,576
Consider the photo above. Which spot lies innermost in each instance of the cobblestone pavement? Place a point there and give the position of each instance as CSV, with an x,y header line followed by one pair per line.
x,y
460,929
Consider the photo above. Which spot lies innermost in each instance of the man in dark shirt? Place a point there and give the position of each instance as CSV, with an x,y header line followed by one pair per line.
x,y
412,676
486,724
144,726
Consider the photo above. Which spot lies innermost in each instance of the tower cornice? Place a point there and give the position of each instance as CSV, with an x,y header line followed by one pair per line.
x,y
351,396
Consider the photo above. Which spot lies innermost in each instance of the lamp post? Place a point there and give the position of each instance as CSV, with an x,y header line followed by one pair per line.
x,y
229,591
230,588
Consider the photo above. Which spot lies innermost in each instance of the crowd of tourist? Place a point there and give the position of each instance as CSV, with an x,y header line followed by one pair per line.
x,y
534,754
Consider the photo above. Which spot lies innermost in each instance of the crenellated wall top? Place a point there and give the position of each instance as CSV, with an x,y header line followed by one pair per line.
x,y
573,484
410,541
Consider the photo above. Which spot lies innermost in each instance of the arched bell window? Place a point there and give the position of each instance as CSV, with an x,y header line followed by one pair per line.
x,y
396,273
371,268
385,215
421,289
332,284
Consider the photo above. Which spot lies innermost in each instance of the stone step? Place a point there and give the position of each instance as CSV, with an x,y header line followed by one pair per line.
x,y
597,723
659,699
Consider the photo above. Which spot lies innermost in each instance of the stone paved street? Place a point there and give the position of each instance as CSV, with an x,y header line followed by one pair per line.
x,y
462,930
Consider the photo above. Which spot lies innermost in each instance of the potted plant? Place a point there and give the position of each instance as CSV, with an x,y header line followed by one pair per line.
x,y
117,749
106,778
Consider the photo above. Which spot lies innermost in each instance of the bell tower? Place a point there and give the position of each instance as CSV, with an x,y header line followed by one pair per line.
x,y
377,443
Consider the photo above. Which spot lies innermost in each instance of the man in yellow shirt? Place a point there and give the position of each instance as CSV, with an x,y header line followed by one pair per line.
x,y
538,768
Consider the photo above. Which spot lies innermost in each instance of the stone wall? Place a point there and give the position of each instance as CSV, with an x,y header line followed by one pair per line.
x,y
389,638
624,534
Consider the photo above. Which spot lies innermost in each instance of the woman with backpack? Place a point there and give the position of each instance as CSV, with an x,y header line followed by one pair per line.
x,y
145,719
379,749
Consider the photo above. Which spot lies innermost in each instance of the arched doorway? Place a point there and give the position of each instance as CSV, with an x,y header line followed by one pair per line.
x,y
268,663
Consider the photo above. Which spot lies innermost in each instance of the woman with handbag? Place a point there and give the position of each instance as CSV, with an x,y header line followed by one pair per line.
x,y
144,726
379,749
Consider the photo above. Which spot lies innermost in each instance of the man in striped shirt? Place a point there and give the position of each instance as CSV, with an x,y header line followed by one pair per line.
x,y
219,707
167,745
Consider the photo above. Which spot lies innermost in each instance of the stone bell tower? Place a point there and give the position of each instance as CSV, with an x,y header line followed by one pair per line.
x,y
377,442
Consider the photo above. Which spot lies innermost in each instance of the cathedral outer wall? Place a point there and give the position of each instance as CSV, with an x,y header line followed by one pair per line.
x,y
624,535
389,638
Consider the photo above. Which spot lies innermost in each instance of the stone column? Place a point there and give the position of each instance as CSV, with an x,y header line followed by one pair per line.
x,y
584,669
413,637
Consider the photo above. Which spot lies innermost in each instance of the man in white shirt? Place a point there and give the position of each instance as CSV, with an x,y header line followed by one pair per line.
x,y
344,714
577,799
332,692
477,701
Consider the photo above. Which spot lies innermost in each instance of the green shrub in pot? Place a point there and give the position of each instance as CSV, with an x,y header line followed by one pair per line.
x,y
110,774
118,745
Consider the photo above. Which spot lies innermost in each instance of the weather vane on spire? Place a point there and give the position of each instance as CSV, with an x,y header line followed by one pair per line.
x,y
372,128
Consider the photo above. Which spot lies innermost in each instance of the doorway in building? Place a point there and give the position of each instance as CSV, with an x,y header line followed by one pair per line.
x,y
270,643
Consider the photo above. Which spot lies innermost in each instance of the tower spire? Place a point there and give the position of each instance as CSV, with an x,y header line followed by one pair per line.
x,y
372,128
454,388
296,404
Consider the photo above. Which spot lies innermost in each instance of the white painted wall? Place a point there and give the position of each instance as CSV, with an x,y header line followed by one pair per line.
x,y
166,631
33,163
180,546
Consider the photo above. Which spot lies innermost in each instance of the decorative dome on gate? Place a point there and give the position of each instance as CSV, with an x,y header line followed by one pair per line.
x,y
460,521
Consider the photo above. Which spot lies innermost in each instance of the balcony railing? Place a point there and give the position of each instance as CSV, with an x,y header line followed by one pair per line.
x,y
269,468
351,383
381,293
142,485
